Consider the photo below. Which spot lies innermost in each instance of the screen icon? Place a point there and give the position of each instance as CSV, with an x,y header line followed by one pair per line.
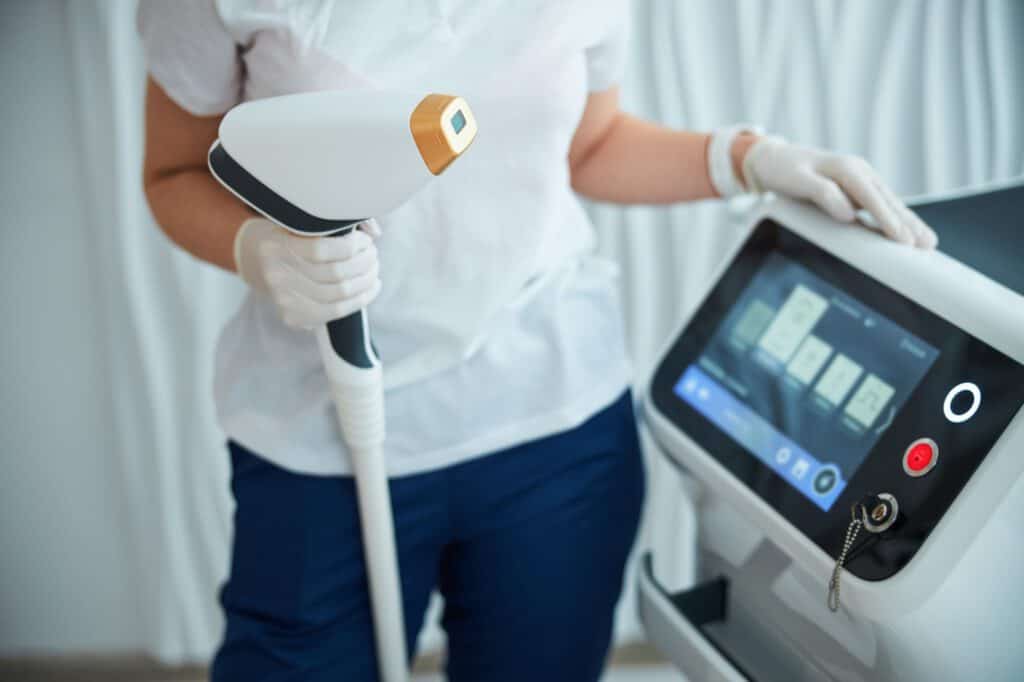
x,y
838,379
869,400
783,455
888,420
825,480
794,321
809,359
800,468
752,324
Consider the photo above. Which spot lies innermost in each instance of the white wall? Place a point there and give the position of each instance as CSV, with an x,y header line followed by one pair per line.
x,y
66,576
114,513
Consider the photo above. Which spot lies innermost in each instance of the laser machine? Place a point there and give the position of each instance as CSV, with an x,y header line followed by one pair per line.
x,y
850,413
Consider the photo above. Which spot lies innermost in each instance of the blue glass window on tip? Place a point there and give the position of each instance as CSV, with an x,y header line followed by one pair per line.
x,y
458,121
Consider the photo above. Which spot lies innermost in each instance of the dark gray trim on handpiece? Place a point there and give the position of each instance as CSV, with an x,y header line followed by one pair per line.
x,y
267,201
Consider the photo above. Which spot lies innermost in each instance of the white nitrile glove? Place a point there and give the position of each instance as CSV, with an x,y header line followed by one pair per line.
x,y
313,280
839,184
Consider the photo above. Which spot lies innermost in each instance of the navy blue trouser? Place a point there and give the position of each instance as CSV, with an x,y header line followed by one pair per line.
x,y
526,545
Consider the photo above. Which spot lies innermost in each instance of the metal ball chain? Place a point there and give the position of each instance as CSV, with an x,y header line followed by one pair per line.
x,y
833,583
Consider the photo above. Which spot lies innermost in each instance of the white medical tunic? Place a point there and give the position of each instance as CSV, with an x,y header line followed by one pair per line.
x,y
496,324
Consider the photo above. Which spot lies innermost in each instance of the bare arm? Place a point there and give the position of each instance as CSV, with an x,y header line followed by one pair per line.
x,y
191,207
620,158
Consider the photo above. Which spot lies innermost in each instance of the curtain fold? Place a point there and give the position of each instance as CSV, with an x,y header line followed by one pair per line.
x,y
928,90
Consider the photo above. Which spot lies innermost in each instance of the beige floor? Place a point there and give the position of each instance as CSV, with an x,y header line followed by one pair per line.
x,y
617,673
660,673
631,664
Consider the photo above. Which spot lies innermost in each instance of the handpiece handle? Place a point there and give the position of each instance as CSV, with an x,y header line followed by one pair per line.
x,y
356,383
350,340
350,335
355,374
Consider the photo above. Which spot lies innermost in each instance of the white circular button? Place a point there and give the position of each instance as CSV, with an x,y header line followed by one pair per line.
x,y
960,417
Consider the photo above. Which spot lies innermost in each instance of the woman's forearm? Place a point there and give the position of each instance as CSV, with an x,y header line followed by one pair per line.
x,y
637,161
191,207
198,215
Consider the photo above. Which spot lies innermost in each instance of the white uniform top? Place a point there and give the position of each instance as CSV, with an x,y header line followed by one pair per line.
x,y
496,325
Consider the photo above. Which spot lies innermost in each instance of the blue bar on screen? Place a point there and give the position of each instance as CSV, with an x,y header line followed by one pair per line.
x,y
758,436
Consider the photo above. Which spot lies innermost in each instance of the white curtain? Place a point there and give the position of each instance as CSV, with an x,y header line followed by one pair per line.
x,y
114,512
115,524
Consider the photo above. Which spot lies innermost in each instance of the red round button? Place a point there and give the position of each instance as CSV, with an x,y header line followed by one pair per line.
x,y
920,457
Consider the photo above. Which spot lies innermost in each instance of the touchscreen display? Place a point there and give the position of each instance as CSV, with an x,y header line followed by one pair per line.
x,y
804,377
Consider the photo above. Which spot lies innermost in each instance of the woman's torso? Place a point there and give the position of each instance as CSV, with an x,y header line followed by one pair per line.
x,y
494,323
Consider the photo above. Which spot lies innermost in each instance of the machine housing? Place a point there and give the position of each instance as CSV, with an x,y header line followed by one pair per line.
x,y
949,608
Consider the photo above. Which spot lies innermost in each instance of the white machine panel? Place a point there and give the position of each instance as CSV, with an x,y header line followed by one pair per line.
x,y
826,367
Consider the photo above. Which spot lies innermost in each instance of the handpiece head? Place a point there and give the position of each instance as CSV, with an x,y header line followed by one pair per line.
x,y
316,163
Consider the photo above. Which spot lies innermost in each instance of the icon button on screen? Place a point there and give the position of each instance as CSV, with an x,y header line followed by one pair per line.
x,y
752,323
795,320
869,400
838,379
809,359
825,480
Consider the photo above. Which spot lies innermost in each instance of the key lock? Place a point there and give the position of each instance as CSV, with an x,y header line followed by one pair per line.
x,y
875,513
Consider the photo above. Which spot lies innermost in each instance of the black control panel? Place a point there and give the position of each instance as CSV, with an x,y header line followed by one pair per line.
x,y
816,385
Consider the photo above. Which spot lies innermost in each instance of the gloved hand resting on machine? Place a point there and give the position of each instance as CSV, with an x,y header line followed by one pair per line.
x,y
837,183
312,281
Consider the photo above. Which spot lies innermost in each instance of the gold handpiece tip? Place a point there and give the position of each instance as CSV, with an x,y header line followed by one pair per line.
x,y
443,127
